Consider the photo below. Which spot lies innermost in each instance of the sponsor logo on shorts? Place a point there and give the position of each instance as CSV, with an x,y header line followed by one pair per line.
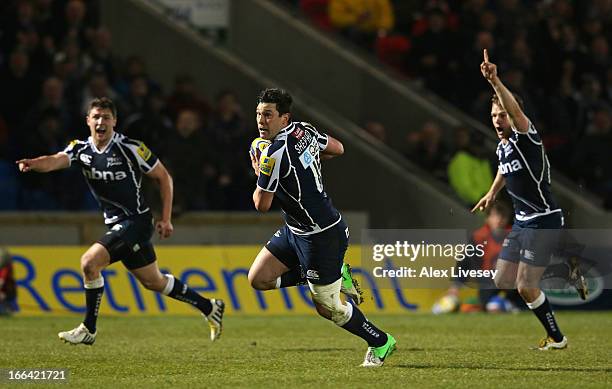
x,y
312,274
266,165
528,254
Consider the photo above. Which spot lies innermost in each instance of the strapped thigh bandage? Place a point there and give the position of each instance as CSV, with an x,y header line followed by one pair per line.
x,y
328,296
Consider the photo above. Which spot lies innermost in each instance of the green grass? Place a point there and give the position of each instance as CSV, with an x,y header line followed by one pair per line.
x,y
475,350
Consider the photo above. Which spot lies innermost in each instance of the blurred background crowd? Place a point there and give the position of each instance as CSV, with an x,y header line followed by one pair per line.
x,y
55,56
554,53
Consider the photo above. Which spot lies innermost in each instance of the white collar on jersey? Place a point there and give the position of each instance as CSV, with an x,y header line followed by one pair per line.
x,y
285,131
105,148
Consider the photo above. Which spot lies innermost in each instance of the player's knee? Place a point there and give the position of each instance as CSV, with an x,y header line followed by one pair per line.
x,y
89,267
504,283
322,311
328,303
258,282
156,284
528,294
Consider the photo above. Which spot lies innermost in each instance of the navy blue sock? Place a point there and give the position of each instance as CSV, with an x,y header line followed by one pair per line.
x,y
293,277
92,301
184,293
541,308
360,326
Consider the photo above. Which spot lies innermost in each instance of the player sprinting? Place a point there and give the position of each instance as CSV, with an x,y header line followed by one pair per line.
x,y
113,166
525,171
312,243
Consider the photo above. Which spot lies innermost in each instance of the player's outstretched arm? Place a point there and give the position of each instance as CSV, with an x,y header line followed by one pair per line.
x,y
334,148
507,100
487,200
45,163
166,191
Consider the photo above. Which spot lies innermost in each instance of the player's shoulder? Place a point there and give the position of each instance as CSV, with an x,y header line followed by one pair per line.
x,y
77,145
278,145
126,141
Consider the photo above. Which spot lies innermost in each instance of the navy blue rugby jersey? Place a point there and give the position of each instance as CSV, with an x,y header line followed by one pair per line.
x,y
114,174
526,170
291,168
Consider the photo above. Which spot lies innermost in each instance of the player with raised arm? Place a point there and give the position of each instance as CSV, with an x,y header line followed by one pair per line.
x,y
312,243
525,172
113,166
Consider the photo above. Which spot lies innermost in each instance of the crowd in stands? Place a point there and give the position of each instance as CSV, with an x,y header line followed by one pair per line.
x,y
554,53
55,56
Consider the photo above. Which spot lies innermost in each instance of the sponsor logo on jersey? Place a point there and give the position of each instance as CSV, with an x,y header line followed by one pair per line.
x,y
306,158
266,165
510,167
144,151
298,133
95,174
85,158
304,142
113,161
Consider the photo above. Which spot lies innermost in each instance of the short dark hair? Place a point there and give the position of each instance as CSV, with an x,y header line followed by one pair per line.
x,y
103,103
519,100
281,98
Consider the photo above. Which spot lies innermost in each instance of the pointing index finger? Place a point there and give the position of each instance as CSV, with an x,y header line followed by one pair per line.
x,y
486,55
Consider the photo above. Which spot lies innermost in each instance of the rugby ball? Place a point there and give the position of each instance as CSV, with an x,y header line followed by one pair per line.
x,y
258,145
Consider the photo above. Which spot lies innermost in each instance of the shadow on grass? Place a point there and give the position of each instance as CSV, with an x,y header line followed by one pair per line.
x,y
572,369
316,350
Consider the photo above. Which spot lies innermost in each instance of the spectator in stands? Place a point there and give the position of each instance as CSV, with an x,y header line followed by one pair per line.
x,y
97,87
102,56
189,160
150,125
138,95
427,149
434,55
134,67
8,288
592,159
19,88
76,25
362,20
186,96
377,130
51,98
317,12
469,174
230,135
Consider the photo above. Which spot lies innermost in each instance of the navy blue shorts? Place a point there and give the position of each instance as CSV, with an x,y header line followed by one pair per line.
x,y
129,241
533,241
321,255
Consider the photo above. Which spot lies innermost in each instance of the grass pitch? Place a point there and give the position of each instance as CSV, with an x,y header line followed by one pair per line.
x,y
475,350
